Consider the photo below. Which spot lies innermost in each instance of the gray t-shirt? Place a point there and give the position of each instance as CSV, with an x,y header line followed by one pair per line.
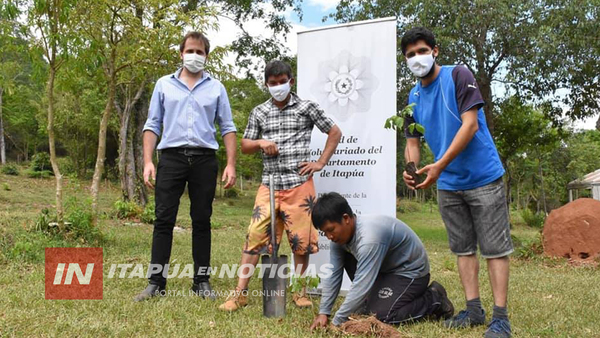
x,y
380,244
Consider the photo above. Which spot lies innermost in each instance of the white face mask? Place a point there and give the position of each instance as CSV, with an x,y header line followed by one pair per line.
x,y
280,93
194,62
420,65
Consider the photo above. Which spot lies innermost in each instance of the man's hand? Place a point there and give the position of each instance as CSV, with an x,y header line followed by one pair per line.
x,y
433,173
319,322
309,168
408,180
149,173
269,148
228,176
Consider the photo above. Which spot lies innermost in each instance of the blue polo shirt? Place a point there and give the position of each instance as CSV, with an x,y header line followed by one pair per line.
x,y
438,108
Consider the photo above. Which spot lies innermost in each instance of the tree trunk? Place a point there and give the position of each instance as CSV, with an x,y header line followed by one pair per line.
x,y
140,117
123,152
130,165
542,186
2,145
83,166
483,77
518,195
52,146
486,93
508,186
127,133
101,156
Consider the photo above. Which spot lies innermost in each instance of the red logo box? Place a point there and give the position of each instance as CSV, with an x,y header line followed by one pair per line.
x,y
74,273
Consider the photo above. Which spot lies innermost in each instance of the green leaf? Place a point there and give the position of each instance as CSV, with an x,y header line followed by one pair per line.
x,y
388,123
420,128
399,122
407,111
314,282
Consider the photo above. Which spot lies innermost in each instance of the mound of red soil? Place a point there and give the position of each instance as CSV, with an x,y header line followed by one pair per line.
x,y
573,231
370,327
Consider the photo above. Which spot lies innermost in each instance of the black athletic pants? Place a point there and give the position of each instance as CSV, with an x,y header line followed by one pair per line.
x,y
395,299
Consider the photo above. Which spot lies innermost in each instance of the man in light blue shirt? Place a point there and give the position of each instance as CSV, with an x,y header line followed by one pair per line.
x,y
386,261
184,109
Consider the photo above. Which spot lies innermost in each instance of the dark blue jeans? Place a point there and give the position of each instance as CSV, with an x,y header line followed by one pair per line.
x,y
174,171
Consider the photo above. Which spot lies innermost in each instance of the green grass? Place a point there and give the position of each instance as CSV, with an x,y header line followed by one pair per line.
x,y
547,298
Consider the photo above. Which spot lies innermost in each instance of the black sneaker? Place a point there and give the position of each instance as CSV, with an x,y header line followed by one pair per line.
x,y
204,290
464,319
150,291
498,328
446,309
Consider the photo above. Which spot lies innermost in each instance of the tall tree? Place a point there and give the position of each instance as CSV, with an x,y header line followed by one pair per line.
x,y
523,131
105,26
563,61
51,19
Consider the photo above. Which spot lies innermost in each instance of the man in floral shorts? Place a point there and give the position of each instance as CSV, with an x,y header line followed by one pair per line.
x,y
281,129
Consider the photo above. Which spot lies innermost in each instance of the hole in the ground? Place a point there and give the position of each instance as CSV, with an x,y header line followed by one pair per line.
x,y
584,255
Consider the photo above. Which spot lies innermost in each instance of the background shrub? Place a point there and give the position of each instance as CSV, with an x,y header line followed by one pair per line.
x,y
41,162
10,169
533,219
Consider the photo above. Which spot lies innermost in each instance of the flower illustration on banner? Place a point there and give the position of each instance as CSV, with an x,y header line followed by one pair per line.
x,y
344,85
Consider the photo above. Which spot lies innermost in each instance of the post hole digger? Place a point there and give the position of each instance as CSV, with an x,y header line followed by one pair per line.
x,y
274,284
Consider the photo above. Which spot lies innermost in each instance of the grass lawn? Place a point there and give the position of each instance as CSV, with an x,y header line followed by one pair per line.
x,y
548,298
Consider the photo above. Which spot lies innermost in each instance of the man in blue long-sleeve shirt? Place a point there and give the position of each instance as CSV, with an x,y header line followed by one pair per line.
x,y
185,106
386,261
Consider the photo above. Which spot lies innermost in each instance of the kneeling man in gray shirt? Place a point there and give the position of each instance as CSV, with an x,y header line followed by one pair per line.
x,y
386,262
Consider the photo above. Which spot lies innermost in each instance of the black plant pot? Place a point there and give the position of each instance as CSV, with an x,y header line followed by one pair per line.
x,y
411,169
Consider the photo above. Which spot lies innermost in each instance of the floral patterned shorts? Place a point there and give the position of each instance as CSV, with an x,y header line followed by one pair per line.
x,y
293,208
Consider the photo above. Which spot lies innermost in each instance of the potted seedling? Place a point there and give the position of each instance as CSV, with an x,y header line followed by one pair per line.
x,y
299,283
397,122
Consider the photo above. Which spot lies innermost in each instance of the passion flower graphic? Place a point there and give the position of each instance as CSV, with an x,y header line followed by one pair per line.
x,y
345,85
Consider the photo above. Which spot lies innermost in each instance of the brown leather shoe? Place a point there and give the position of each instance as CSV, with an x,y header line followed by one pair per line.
x,y
301,300
235,301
